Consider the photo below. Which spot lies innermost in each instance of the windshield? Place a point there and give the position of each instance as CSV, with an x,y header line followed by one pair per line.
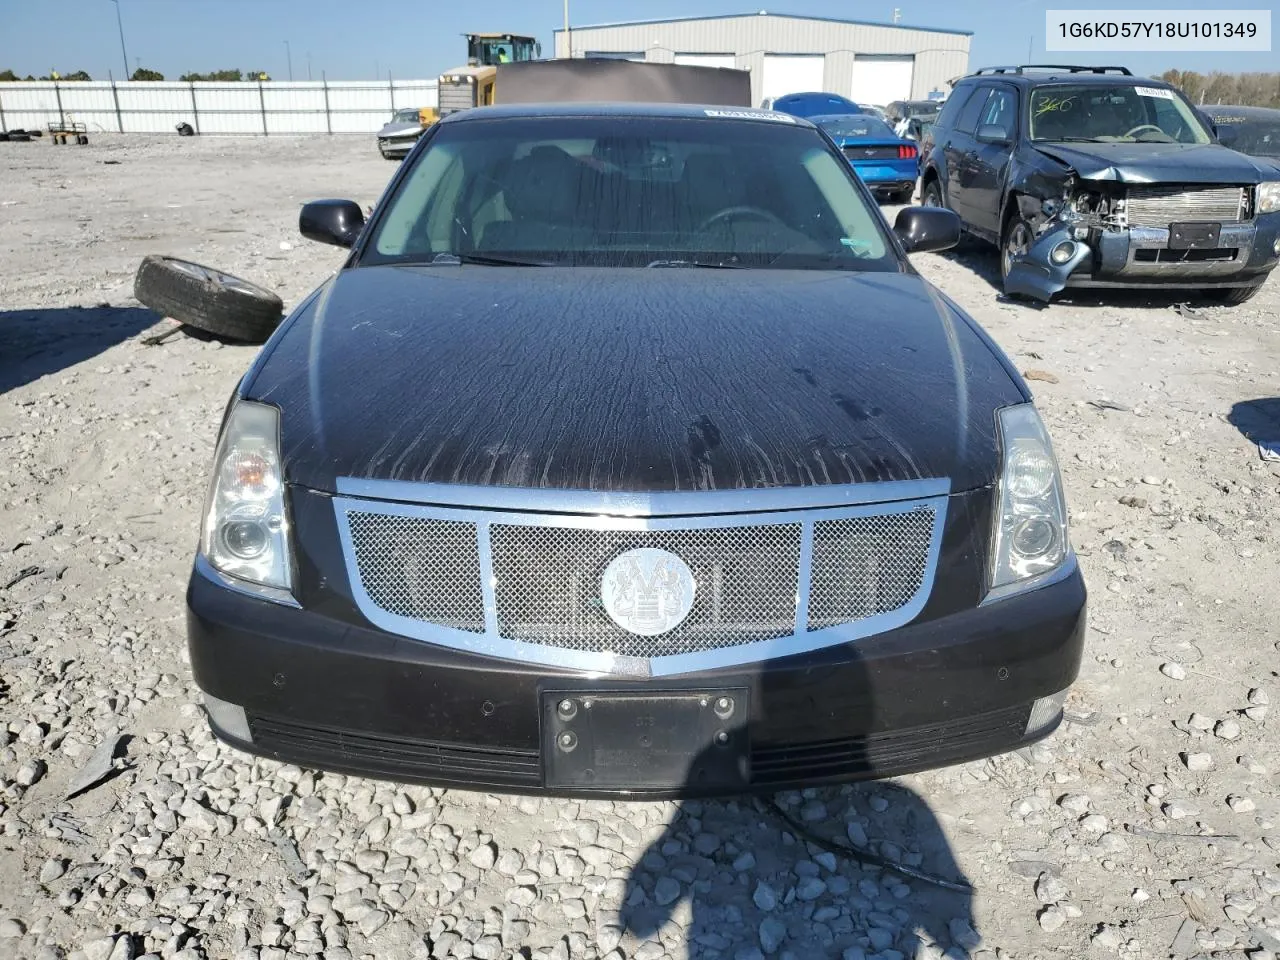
x,y
856,128
626,191
1122,112
406,116
1257,136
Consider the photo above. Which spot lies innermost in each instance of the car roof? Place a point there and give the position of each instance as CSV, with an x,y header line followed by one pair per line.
x,y
1229,110
654,111
1066,76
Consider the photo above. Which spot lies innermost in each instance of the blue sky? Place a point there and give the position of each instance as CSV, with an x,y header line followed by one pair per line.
x,y
360,39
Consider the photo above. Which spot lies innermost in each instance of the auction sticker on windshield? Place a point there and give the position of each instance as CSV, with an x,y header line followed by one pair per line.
x,y
1154,92
751,115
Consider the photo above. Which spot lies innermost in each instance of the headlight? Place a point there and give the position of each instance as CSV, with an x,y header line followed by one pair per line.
x,y
1031,525
1269,197
246,527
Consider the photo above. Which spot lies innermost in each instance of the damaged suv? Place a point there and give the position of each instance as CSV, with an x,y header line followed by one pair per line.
x,y
1088,176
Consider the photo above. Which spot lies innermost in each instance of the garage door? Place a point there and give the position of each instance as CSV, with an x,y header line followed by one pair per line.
x,y
721,60
881,80
791,74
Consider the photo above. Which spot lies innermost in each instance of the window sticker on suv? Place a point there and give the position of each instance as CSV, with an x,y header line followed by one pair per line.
x,y
1154,92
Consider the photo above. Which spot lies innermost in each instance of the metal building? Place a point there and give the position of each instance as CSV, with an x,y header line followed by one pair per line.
x,y
867,62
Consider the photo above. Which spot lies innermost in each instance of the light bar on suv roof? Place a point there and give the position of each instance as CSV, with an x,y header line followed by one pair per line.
x,y
1026,67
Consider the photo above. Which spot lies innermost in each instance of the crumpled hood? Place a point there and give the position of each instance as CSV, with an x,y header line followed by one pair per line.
x,y
632,380
1158,162
399,129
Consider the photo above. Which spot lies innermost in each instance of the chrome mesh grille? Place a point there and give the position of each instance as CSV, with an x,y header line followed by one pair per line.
x,y
866,566
1159,206
547,586
419,567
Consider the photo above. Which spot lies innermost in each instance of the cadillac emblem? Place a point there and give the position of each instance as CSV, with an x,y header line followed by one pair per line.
x,y
647,591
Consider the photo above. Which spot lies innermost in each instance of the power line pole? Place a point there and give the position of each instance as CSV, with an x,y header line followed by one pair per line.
x,y
568,35
123,52
289,54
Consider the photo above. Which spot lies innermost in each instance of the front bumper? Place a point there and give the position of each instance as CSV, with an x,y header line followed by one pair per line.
x,y
325,693
397,147
1141,257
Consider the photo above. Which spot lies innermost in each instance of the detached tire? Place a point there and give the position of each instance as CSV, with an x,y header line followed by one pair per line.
x,y
209,299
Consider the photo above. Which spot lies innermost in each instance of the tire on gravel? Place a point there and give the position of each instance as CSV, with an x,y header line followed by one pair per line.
x,y
206,298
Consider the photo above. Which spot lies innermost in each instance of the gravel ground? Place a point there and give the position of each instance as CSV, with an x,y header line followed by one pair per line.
x,y
1145,827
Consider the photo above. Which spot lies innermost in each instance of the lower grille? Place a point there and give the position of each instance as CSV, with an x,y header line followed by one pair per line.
x,y
1159,206
912,748
389,756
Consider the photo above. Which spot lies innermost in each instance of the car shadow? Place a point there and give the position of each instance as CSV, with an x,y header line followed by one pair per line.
x,y
38,342
1258,420
844,871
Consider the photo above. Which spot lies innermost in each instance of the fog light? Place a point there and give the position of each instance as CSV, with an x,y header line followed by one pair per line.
x,y
1034,537
245,539
1045,713
1063,252
228,718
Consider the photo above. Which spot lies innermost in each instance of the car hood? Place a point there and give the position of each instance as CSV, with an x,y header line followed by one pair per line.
x,y
632,380
1157,162
399,129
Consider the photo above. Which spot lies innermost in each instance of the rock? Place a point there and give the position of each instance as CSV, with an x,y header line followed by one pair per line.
x,y
881,938
11,929
1197,762
1140,896
1227,730
1052,919
1178,810
30,773
765,897
1199,721
509,863
1050,890
666,891
1095,824
810,888
1241,804
99,948
1107,937
1075,803
487,948
744,862
372,922
1174,671
773,933
483,856
706,843
1042,375
53,869
1256,714
1258,697
812,812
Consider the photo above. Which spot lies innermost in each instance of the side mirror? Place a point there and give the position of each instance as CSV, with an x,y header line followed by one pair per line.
x,y
993,133
927,228
337,222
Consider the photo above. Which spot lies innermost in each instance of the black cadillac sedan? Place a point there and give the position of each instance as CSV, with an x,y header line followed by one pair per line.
x,y
628,455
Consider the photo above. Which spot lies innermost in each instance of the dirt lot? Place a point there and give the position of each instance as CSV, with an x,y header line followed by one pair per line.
x,y
1144,827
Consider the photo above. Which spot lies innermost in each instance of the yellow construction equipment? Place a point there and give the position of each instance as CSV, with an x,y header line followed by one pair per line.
x,y
473,85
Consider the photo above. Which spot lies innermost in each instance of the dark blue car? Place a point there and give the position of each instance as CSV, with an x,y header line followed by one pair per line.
x,y
813,104
887,163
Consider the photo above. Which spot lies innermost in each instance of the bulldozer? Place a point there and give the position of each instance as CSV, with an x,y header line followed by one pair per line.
x,y
473,85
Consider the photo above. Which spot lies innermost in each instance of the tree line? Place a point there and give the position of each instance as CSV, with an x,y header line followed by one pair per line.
x,y
1237,89
142,73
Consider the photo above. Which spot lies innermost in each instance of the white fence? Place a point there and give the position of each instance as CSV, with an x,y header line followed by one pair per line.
x,y
247,107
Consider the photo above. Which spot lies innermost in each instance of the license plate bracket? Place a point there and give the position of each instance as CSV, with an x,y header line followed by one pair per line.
x,y
1195,236
631,740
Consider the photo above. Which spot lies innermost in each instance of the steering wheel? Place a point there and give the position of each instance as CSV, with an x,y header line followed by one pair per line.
x,y
753,213
1145,126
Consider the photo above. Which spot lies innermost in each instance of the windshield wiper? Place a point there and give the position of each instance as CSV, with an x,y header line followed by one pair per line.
x,y
457,259
721,265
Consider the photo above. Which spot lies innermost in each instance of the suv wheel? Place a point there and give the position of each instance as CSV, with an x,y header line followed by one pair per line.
x,y
1016,241
931,196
